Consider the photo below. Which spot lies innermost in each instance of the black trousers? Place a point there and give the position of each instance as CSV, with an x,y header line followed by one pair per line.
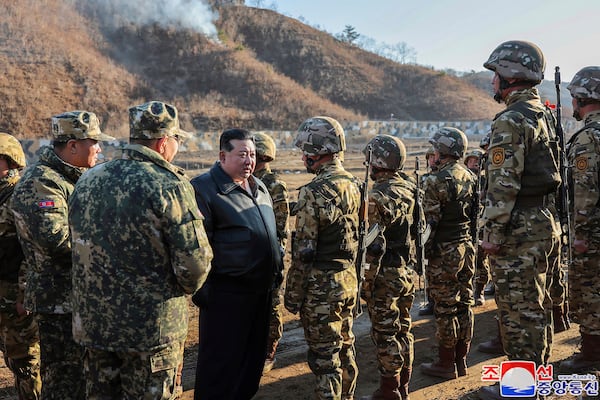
x,y
234,329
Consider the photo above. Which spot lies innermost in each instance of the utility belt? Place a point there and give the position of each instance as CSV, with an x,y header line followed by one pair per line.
x,y
532,201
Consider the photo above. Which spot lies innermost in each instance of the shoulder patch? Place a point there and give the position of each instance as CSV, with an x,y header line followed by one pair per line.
x,y
497,156
581,163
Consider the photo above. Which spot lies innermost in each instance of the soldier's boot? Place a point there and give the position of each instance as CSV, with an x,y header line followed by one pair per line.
x,y
427,309
479,296
270,358
492,346
388,389
462,349
559,317
588,357
445,367
405,374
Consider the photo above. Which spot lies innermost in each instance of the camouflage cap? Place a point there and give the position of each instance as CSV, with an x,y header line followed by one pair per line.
x,y
265,146
517,59
154,120
586,84
78,125
10,147
388,152
320,136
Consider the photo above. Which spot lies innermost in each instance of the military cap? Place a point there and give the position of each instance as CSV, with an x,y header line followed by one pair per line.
x,y
154,120
77,125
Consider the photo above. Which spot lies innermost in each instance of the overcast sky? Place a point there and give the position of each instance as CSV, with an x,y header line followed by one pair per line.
x,y
460,34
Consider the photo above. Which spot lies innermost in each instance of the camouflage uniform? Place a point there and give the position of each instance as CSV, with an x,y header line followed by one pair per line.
x,y
40,207
265,153
130,309
321,282
279,194
584,157
517,219
447,203
482,265
388,288
19,333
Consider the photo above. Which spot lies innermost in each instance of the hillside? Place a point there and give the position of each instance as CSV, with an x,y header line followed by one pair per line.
x,y
266,71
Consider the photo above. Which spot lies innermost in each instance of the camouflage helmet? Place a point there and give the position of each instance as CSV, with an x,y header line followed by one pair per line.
x,y
517,59
484,143
450,142
586,84
320,136
11,148
430,151
265,147
473,153
388,152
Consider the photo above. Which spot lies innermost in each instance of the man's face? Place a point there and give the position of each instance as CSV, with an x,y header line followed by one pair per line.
x,y
576,110
4,167
473,163
239,163
85,153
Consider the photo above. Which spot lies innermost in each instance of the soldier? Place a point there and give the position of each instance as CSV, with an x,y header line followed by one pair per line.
x,y
235,303
447,202
482,266
18,330
427,309
519,230
135,278
321,283
388,288
584,156
265,153
41,214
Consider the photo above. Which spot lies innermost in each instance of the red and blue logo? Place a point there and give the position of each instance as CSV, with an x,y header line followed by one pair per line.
x,y
517,379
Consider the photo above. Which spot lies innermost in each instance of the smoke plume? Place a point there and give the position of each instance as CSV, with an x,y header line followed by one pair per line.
x,y
188,14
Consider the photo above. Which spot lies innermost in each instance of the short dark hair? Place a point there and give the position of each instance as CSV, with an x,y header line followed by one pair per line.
x,y
233,134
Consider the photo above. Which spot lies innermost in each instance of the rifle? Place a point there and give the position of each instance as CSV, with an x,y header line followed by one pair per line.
x,y
475,207
563,204
421,227
361,257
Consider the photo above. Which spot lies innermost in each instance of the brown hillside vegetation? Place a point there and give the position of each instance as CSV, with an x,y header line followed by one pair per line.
x,y
267,71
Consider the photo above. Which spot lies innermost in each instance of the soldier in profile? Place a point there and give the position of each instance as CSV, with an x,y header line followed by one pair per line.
x,y
447,201
40,205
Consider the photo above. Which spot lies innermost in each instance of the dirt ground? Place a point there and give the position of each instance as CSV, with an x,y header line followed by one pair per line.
x,y
291,378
